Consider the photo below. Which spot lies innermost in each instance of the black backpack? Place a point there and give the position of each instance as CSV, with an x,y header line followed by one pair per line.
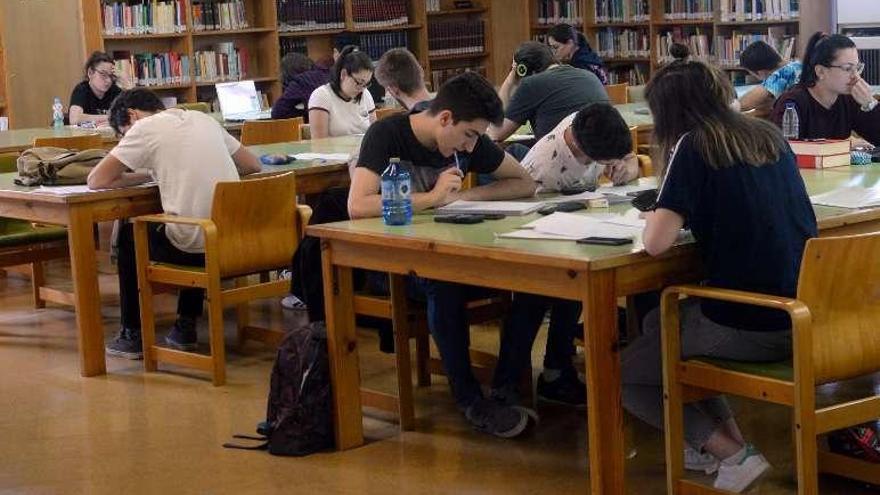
x,y
299,420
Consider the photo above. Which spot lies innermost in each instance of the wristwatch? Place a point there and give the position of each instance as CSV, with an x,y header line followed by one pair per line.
x,y
870,105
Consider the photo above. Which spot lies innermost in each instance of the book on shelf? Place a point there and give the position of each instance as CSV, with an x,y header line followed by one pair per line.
x,y
379,13
225,62
622,11
432,5
151,69
758,10
294,45
623,43
688,10
558,11
310,15
375,44
144,17
696,41
728,48
208,15
458,37
440,76
633,76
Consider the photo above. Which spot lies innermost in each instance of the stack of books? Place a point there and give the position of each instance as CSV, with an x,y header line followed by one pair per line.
x,y
222,15
456,37
225,62
379,13
822,153
144,17
152,69
310,15
622,11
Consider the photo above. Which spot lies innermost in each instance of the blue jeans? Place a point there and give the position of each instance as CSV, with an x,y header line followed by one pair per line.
x,y
522,325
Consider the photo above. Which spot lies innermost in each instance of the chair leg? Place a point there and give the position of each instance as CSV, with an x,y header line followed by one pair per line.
x,y
423,358
38,279
805,442
145,297
216,335
400,323
673,396
242,314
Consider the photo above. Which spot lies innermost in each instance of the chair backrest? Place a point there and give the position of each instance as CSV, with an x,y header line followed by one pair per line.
x,y
270,131
256,223
635,93
8,163
381,113
840,283
84,142
199,106
305,132
617,93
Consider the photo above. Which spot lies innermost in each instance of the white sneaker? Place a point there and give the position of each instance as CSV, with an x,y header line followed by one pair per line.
x,y
695,461
294,303
737,477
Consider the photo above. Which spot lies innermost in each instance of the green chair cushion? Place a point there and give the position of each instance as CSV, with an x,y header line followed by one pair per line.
x,y
780,370
14,232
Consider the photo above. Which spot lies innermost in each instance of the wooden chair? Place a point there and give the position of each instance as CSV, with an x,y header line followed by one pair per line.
x,y
834,320
23,243
199,106
83,142
271,131
381,113
617,93
255,227
635,93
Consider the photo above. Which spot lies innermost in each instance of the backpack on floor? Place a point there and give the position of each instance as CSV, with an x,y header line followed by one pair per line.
x,y
299,420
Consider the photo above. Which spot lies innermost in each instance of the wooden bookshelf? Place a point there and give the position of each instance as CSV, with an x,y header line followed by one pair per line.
x,y
441,66
656,25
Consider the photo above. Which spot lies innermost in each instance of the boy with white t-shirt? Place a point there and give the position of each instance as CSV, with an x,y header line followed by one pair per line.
x,y
187,153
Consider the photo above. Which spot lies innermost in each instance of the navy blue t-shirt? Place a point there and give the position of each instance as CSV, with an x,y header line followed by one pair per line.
x,y
751,225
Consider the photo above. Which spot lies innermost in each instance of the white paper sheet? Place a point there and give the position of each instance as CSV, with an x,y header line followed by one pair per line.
x,y
330,157
577,226
80,189
512,208
848,197
643,184
584,196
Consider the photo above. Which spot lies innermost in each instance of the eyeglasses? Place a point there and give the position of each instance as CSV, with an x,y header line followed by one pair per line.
x,y
359,83
106,75
853,69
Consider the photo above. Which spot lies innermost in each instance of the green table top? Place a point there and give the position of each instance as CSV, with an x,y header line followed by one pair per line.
x,y
22,139
628,112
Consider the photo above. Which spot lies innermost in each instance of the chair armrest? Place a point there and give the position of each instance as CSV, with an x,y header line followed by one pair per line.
x,y
799,312
165,218
304,214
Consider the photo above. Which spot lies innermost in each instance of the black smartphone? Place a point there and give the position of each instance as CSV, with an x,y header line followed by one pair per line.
x,y
645,200
547,209
461,219
605,241
570,206
572,190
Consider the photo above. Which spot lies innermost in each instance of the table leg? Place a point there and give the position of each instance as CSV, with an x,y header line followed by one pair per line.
x,y
86,295
604,413
342,352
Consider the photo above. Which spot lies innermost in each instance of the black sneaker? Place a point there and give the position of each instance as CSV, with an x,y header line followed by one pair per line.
x,y
183,335
488,416
506,395
567,389
127,344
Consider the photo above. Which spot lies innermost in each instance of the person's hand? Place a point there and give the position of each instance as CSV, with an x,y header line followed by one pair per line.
x,y
446,188
861,92
623,170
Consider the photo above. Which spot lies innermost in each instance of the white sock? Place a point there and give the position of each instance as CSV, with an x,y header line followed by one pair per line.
x,y
736,458
551,375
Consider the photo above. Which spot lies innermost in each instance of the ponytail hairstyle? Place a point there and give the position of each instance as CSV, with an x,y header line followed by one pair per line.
x,y
821,50
352,60
679,52
532,57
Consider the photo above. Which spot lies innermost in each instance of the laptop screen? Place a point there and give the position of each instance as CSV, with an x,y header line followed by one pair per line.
x,y
236,98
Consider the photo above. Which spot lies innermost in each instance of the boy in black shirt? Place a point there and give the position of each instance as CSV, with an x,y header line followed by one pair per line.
x,y
451,130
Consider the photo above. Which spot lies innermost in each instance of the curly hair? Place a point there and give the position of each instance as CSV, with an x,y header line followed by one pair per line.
x,y
469,97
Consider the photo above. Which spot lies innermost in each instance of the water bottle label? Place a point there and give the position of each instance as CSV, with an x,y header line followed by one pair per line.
x,y
403,190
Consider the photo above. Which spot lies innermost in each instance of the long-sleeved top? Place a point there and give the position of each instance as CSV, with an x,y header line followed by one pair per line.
x,y
294,101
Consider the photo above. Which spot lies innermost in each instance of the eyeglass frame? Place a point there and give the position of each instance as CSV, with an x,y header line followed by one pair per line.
x,y
859,68
360,83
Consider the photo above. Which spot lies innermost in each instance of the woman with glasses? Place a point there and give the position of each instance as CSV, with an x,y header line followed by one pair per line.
x,y
571,47
342,107
831,98
91,98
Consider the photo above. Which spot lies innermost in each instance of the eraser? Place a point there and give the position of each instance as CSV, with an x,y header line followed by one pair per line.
x,y
598,203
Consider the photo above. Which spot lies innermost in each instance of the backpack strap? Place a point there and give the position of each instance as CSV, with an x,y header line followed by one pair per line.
x,y
262,446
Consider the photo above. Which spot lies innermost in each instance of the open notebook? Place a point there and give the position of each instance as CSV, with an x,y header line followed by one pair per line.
x,y
848,197
511,208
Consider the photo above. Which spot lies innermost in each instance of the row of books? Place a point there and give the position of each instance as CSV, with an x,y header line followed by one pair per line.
x,y
210,15
375,44
559,11
379,13
294,45
623,43
696,41
758,10
622,11
145,17
151,69
226,62
729,48
310,15
456,37
633,76
440,76
688,10
432,5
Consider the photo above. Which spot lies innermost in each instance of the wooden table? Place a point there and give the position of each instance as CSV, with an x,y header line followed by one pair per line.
x,y
79,212
472,254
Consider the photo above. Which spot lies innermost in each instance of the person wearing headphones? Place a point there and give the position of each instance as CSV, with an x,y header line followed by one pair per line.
x,y
543,92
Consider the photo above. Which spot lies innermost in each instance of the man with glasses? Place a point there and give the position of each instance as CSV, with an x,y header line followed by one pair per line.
x,y
92,97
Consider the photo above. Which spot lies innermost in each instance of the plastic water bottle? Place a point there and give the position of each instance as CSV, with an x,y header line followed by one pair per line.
x,y
396,202
57,113
791,126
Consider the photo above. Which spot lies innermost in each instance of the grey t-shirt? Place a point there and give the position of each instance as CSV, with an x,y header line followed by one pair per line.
x,y
545,99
